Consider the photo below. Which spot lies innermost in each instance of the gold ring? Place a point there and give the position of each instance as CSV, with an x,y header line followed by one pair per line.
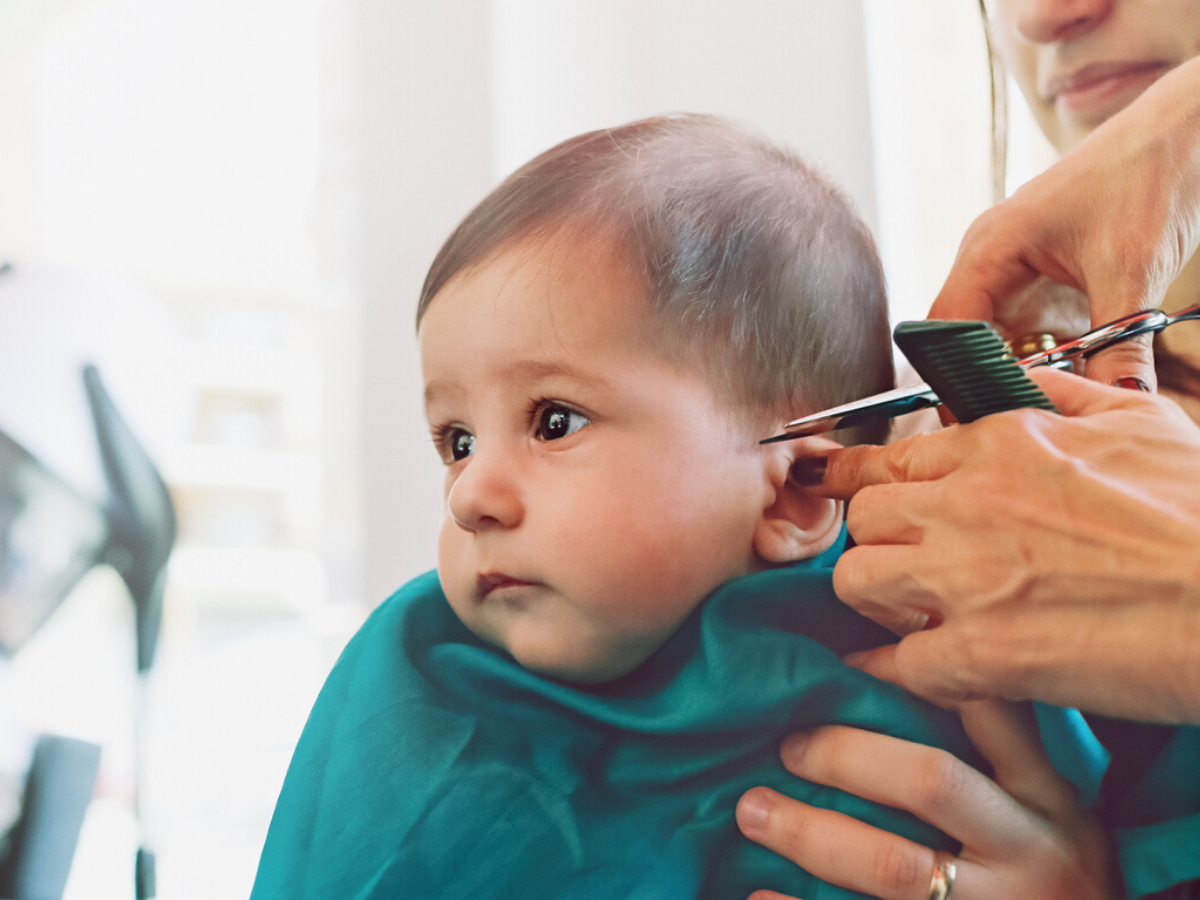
x,y
1029,344
942,882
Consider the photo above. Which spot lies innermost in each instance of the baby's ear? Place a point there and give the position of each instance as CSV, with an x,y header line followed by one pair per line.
x,y
797,523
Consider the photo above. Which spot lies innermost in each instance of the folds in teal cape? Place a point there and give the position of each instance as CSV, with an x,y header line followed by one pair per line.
x,y
433,766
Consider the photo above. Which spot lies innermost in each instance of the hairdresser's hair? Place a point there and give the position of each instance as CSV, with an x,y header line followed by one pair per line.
x,y
998,79
755,267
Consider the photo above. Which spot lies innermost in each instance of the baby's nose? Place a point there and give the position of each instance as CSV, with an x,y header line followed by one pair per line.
x,y
485,495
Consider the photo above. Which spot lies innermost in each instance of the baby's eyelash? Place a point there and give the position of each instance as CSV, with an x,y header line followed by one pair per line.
x,y
539,405
538,422
439,433
443,441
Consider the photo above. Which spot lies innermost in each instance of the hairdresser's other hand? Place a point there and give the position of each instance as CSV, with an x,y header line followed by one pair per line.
x,y
1117,218
1055,556
1022,834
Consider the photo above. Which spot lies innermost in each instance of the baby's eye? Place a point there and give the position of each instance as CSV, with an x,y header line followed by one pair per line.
x,y
460,443
555,421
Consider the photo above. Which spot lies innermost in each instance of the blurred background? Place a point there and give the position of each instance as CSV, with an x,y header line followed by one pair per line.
x,y
229,206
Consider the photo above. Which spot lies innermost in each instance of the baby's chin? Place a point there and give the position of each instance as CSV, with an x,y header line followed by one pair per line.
x,y
576,666
543,640
587,672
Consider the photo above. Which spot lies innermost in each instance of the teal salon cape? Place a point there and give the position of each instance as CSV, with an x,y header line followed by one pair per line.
x,y
433,766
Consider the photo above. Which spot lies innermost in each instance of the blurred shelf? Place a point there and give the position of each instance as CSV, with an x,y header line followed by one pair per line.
x,y
267,578
197,465
255,369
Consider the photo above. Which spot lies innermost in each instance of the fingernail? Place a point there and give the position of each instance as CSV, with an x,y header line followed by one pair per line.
x,y
1130,383
792,749
809,471
753,813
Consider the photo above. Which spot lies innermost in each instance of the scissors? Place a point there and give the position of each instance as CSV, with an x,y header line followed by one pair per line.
x,y
921,396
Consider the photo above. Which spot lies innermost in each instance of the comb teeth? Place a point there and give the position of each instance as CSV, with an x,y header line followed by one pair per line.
x,y
969,368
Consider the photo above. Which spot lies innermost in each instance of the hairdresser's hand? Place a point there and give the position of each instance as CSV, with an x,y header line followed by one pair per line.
x,y
1022,834
1056,557
1117,218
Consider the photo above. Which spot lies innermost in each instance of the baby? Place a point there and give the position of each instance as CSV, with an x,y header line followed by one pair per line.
x,y
604,341
632,604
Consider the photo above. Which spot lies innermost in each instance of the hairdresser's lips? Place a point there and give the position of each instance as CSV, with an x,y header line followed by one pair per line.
x,y
1102,89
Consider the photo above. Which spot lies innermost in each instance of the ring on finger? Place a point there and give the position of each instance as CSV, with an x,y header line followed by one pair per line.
x,y
942,882
1029,344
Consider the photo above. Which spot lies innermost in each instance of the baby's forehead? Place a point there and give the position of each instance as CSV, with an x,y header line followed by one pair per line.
x,y
584,288
575,275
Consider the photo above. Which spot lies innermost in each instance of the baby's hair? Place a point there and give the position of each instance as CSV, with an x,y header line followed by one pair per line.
x,y
756,268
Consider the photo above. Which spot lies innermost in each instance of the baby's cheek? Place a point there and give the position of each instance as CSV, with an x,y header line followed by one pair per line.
x,y
647,593
452,563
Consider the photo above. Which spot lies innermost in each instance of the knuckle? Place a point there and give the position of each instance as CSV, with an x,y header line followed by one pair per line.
x,y
792,837
1016,435
1012,427
826,748
898,867
898,462
938,780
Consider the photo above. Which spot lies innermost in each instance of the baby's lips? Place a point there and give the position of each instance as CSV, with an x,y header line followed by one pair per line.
x,y
489,581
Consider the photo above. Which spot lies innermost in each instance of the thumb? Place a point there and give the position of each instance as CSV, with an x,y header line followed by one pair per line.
x,y
991,265
916,664
882,663
1111,298
1133,359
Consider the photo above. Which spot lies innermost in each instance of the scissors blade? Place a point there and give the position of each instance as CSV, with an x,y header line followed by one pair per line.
x,y
887,405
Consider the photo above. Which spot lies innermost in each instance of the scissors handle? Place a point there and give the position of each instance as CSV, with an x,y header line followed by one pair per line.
x,y
1105,336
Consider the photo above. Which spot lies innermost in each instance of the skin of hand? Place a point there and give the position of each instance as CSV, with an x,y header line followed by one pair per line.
x,y
1030,555
1117,218
1022,832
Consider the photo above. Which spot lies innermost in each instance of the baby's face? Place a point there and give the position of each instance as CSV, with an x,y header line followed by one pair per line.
x,y
595,494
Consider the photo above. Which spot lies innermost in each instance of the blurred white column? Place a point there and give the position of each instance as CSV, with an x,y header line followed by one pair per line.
x,y
425,133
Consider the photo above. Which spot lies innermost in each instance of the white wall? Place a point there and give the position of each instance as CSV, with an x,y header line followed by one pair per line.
x,y
455,94
930,100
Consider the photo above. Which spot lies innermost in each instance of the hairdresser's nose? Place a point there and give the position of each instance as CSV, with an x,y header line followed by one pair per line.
x,y
1048,21
486,493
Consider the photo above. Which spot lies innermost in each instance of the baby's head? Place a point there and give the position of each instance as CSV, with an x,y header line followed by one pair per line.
x,y
604,340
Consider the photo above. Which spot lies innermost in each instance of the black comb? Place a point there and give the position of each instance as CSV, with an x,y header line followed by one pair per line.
x,y
969,368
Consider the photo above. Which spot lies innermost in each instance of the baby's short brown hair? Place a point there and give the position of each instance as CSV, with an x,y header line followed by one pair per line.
x,y
757,269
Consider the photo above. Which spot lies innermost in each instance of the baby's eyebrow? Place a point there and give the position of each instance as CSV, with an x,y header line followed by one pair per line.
x,y
434,390
524,371
537,370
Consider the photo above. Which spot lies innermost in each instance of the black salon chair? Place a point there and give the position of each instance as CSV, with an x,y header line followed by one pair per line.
x,y
134,533
42,845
